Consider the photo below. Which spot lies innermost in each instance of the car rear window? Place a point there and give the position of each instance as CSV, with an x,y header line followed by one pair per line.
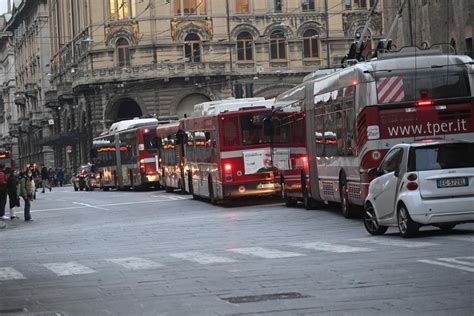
x,y
442,156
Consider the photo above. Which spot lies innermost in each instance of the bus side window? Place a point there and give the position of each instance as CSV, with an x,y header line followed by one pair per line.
x,y
319,131
350,128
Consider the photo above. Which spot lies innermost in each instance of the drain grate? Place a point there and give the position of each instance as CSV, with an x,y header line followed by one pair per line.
x,y
265,297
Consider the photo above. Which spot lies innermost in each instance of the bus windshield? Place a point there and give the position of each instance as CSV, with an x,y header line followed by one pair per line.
x,y
151,143
410,85
252,129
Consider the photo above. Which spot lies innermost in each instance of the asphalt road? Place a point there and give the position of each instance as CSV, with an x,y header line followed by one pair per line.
x,y
153,253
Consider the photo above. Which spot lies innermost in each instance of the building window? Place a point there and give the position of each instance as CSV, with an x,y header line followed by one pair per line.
x,y
348,4
360,4
192,48
123,52
274,5
121,9
310,44
307,5
189,7
277,45
245,46
242,6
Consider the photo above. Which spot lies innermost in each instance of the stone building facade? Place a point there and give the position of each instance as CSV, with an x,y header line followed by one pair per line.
x,y
117,59
30,29
8,110
425,23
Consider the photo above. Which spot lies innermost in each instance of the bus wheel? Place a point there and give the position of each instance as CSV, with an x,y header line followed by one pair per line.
x,y
190,183
290,202
307,200
212,199
182,189
346,208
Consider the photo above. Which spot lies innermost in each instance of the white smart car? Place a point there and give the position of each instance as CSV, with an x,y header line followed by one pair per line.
x,y
424,183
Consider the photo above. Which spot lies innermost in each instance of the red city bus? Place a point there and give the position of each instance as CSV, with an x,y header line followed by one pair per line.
x,y
289,153
171,156
354,116
127,155
227,149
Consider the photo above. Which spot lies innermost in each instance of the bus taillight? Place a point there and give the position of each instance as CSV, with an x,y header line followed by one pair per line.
x,y
228,172
424,103
142,165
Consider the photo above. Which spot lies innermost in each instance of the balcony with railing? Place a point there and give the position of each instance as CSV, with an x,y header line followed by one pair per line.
x,y
163,70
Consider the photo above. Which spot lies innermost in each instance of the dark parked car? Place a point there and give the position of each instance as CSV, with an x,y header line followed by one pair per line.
x,y
84,178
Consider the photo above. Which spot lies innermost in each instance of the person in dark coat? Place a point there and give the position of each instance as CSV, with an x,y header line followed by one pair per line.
x,y
12,191
45,178
3,191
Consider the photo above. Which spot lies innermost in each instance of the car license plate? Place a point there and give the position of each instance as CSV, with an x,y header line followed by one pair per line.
x,y
452,182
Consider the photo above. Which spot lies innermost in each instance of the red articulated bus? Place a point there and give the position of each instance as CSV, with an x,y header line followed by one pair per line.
x,y
355,115
127,155
171,156
227,149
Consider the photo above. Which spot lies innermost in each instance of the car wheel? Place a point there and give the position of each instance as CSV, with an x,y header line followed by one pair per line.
x,y
406,225
371,223
446,227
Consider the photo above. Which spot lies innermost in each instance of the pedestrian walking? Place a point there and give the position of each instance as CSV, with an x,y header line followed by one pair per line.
x,y
33,169
26,192
3,191
60,177
12,191
45,178
52,177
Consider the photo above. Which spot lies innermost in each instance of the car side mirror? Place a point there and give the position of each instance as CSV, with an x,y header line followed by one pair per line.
x,y
374,172
396,173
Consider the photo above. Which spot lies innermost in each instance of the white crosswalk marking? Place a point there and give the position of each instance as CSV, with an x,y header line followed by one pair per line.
x,y
329,247
8,273
399,242
265,253
461,238
68,268
468,261
133,263
201,257
448,265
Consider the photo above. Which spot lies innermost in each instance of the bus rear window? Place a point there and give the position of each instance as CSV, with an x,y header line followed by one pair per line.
x,y
442,156
252,129
442,83
151,143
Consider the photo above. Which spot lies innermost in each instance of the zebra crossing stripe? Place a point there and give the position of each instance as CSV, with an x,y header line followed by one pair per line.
x,y
459,260
68,268
133,263
9,273
448,265
201,258
265,253
461,238
323,246
387,241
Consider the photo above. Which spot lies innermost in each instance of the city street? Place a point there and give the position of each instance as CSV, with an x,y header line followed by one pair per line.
x,y
153,253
